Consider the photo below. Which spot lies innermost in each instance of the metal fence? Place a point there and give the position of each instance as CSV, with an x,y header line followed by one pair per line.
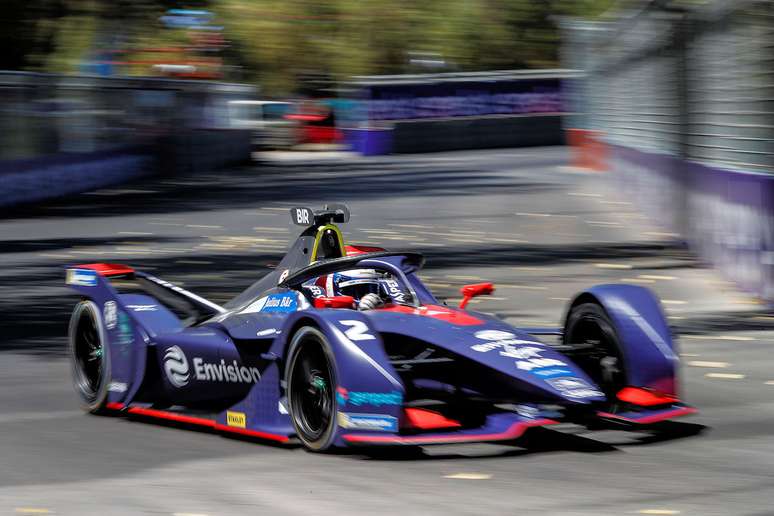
x,y
684,99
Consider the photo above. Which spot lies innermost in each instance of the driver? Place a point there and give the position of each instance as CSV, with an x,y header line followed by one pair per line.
x,y
369,288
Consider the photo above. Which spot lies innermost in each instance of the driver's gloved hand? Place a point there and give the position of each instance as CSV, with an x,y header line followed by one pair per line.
x,y
370,301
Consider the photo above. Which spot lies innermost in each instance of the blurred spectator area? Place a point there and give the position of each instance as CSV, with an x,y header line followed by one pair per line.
x,y
459,110
43,114
67,134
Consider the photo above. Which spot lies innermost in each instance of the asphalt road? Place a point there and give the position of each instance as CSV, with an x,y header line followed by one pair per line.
x,y
521,218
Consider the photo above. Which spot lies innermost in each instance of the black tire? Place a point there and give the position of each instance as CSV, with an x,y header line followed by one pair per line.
x,y
595,347
89,356
311,387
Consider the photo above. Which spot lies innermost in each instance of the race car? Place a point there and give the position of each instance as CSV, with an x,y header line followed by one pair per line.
x,y
344,346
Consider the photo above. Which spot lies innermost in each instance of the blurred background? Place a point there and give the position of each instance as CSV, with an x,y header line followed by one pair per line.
x,y
675,96
544,145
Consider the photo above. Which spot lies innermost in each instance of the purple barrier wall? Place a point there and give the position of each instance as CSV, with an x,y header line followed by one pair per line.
x,y
37,179
726,216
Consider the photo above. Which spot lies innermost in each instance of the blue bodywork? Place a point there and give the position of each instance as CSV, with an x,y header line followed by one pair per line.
x,y
232,363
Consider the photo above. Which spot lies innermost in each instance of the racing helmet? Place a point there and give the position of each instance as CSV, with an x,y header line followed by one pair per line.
x,y
356,283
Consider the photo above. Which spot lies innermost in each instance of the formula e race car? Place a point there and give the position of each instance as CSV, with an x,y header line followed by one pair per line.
x,y
344,345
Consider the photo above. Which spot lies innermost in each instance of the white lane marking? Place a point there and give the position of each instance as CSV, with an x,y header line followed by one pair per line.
x,y
135,233
637,280
582,194
525,214
656,277
523,287
718,337
205,226
37,416
705,363
612,266
768,382
662,234
469,476
31,510
686,355
602,223
189,514
673,302
725,376
658,511
53,255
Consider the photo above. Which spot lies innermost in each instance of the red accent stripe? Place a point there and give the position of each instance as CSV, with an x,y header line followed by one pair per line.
x,y
106,269
181,418
514,431
645,397
252,433
171,416
114,406
655,418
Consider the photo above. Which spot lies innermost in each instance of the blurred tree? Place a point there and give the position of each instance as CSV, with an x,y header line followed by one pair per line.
x,y
281,43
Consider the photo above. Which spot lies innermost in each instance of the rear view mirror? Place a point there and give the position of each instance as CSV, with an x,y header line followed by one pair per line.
x,y
477,289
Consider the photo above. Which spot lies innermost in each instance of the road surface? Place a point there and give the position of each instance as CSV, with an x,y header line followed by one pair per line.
x,y
521,218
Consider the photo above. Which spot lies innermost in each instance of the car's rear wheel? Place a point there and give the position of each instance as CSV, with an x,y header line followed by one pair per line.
x,y
89,356
595,347
311,386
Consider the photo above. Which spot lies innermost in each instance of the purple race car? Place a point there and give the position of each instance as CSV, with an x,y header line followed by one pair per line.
x,y
344,345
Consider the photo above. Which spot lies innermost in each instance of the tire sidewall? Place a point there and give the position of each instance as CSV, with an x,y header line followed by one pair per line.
x,y
101,393
599,314
296,346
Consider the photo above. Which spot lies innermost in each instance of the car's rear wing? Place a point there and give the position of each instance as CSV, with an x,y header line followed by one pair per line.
x,y
86,275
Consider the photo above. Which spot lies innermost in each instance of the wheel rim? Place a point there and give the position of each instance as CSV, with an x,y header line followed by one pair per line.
x,y
597,351
89,355
311,391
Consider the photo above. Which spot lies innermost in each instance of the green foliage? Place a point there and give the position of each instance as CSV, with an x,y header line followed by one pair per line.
x,y
275,42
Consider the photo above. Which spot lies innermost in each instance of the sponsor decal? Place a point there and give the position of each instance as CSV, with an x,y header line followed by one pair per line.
x,y
551,372
222,372
283,276
176,366
533,363
574,387
179,374
281,408
237,419
125,333
527,411
110,315
494,335
143,308
376,399
81,277
394,291
117,387
285,302
375,422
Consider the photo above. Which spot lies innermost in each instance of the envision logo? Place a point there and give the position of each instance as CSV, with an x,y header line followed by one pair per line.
x,y
178,372
176,366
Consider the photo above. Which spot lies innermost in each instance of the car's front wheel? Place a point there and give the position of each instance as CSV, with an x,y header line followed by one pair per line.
x,y
595,347
311,386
